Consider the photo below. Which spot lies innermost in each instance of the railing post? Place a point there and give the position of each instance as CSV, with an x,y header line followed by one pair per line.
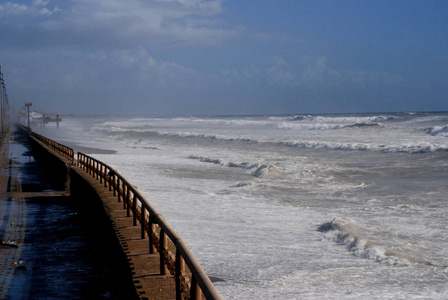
x,y
106,176
111,174
101,173
126,199
114,182
118,188
128,202
195,291
180,269
162,250
123,193
152,227
142,221
134,210
89,162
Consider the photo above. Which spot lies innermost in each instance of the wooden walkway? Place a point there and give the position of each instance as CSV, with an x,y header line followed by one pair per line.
x,y
46,251
145,267
33,279
131,269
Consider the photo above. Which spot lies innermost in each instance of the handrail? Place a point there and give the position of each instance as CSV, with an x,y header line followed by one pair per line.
x,y
65,151
154,226
191,280
61,149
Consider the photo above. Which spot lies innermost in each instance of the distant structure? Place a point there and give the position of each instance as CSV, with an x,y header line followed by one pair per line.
x,y
51,118
40,118
4,105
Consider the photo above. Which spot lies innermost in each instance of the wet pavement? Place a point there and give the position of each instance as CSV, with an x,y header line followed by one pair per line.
x,y
47,249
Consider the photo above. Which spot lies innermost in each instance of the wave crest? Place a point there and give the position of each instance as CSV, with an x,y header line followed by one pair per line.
x,y
438,131
416,148
257,170
355,238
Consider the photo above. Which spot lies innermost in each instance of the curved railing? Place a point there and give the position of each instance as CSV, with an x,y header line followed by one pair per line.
x,y
65,151
61,149
175,257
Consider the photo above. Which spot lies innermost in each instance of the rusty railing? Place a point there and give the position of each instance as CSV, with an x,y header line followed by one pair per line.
x,y
65,151
61,149
175,258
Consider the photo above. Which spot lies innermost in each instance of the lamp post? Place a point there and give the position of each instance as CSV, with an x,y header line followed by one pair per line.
x,y
29,104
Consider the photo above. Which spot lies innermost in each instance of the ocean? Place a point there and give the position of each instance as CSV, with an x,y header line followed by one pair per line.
x,y
344,206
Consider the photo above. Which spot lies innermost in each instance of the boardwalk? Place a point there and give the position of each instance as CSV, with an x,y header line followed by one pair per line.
x,y
68,231
145,268
47,248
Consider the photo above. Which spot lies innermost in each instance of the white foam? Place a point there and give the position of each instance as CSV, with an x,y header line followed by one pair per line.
x,y
257,170
439,130
355,238
250,199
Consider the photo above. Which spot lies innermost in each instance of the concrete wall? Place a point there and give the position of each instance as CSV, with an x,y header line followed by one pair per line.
x,y
106,248
95,219
53,165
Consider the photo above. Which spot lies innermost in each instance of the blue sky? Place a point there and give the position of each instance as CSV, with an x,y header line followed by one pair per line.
x,y
202,57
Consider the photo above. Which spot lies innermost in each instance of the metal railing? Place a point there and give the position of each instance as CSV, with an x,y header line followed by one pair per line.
x,y
63,150
175,258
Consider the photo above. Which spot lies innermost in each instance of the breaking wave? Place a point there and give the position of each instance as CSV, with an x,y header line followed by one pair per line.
x,y
229,132
257,170
438,131
406,148
350,119
325,126
355,238
301,118
225,121
143,133
418,148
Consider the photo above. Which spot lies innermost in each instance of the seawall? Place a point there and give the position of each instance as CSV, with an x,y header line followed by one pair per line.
x,y
107,251
143,255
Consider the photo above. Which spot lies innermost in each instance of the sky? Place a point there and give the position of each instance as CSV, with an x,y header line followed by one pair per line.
x,y
222,57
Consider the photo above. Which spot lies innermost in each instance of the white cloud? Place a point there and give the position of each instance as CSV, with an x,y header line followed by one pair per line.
x,y
38,7
46,11
10,8
154,22
40,2
205,6
112,24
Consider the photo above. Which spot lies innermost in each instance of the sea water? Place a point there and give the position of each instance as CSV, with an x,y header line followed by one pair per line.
x,y
292,207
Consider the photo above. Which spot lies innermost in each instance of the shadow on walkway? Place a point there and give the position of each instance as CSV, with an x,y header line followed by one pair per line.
x,y
49,245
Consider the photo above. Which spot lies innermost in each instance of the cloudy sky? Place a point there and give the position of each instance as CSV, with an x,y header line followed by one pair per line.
x,y
196,57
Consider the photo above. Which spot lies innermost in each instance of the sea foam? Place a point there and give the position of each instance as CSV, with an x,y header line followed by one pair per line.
x,y
355,238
